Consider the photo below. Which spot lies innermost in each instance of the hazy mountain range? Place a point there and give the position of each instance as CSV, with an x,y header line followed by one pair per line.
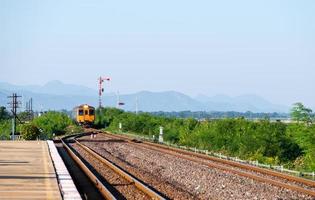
x,y
56,95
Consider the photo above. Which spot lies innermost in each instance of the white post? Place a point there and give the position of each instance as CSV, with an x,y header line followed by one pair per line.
x,y
120,126
161,135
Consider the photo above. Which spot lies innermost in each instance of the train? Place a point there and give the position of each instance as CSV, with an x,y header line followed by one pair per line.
x,y
84,115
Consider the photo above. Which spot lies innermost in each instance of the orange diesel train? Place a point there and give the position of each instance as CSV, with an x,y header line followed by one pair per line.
x,y
84,114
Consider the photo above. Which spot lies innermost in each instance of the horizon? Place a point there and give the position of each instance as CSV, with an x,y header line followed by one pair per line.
x,y
108,94
138,91
260,48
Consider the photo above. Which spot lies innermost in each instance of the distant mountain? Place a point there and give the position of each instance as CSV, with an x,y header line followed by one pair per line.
x,y
221,98
56,95
52,87
161,101
3,98
47,101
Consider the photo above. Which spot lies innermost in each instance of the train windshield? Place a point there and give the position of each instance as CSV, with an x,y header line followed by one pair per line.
x,y
91,112
80,112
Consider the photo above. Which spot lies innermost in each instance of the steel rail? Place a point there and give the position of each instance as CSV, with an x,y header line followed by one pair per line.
x,y
187,155
97,183
228,162
239,165
129,178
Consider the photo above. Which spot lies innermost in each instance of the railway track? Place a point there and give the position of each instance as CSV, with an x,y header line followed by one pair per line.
x,y
85,187
112,181
263,175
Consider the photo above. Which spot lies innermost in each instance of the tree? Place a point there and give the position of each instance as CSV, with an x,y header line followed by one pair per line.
x,y
29,132
105,116
53,123
300,113
24,116
5,129
5,123
3,114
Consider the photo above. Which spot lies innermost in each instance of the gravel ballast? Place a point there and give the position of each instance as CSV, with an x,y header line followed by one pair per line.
x,y
179,178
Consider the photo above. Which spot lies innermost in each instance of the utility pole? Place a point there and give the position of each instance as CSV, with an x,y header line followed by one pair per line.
x,y
29,109
26,107
101,89
14,105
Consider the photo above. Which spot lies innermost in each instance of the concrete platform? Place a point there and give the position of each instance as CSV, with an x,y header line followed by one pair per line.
x,y
27,171
66,184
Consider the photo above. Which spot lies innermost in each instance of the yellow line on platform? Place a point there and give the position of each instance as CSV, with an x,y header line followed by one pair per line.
x,y
47,183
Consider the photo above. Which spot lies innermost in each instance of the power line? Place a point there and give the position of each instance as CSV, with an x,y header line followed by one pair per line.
x,y
29,109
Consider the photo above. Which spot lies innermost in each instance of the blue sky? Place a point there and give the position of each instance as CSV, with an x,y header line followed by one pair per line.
x,y
196,47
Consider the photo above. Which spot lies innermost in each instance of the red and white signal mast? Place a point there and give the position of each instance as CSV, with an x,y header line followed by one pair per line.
x,y
101,89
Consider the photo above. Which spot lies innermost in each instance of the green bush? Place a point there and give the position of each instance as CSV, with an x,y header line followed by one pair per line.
x,y
5,129
53,123
30,132
266,141
4,114
105,116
